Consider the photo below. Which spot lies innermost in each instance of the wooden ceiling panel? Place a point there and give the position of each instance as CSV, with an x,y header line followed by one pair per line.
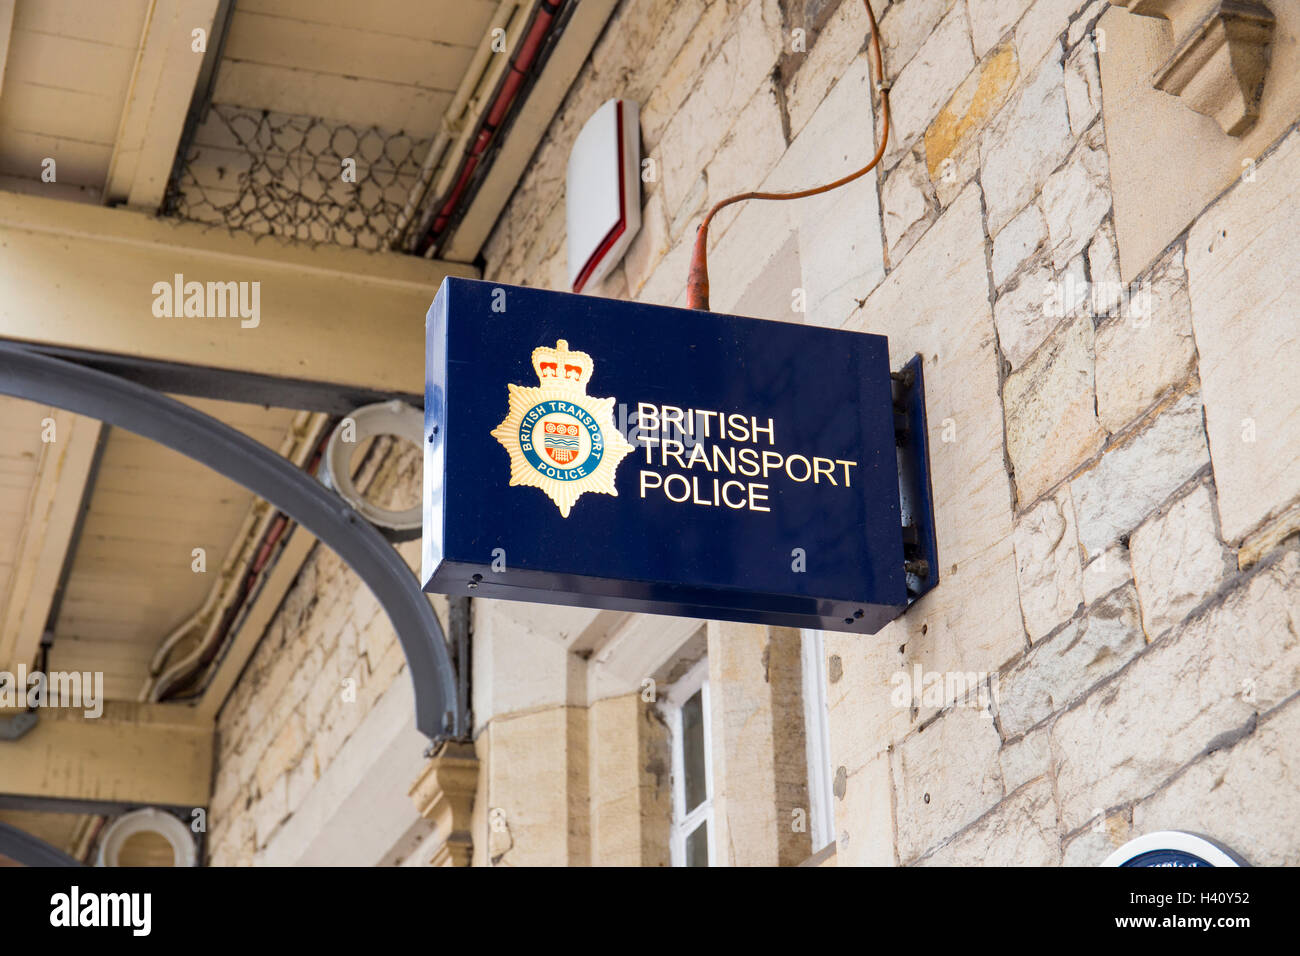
x,y
358,102
66,63
78,163
345,51
458,22
76,115
119,23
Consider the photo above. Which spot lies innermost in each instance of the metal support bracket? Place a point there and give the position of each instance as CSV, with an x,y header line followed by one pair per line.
x,y
22,847
920,545
27,374
16,726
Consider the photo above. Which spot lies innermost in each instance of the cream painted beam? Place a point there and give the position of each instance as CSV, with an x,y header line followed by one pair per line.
x,y
526,131
132,753
162,84
47,534
82,277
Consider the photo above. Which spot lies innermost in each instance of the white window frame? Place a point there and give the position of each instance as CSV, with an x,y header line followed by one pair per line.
x,y
696,679
817,738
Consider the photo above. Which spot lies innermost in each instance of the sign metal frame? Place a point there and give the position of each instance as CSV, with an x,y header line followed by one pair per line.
x,y
604,541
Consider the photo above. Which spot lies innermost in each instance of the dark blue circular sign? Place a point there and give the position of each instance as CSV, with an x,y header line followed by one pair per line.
x,y
1166,858
1172,848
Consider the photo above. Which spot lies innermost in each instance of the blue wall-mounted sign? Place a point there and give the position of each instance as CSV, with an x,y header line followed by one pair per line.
x,y
618,455
1171,848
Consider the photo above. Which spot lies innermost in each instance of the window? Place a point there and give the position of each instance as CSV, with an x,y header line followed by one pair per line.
x,y
816,722
687,712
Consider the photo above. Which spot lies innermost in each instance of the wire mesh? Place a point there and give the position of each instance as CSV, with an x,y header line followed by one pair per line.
x,y
297,177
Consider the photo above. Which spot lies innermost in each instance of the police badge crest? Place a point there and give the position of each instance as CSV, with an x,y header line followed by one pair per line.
x,y
559,438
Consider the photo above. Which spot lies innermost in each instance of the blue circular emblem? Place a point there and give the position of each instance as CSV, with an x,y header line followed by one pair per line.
x,y
1166,858
561,440
1174,848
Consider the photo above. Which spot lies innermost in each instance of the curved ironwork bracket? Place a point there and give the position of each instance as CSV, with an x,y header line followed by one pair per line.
x,y
21,847
27,374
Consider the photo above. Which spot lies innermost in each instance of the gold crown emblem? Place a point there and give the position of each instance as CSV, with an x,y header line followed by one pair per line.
x,y
562,368
559,438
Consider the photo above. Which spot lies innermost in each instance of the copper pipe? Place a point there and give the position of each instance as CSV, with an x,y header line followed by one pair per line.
x,y
697,283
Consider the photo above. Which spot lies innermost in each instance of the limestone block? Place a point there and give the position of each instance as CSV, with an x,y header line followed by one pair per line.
x,y
945,777
1243,293
862,719
1051,417
282,753
1026,759
759,756
1104,836
1086,22
1082,87
1062,668
531,762
702,34
722,89
329,681
1047,560
1196,690
1027,140
839,41
270,810
1022,312
952,140
1148,348
1038,31
300,781
746,155
1132,478
904,28
649,247
1076,198
667,279
971,625
1106,572
928,80
864,819
1020,831
1103,267
1017,242
1238,795
1177,560
840,246
906,208
991,19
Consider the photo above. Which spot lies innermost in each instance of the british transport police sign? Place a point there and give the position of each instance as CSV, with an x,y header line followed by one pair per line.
x,y
612,454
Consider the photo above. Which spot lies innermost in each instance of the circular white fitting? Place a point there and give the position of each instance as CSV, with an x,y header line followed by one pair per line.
x,y
383,418
176,833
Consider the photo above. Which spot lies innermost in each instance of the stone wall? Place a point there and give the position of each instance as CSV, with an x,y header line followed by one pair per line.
x,y
1114,466
327,657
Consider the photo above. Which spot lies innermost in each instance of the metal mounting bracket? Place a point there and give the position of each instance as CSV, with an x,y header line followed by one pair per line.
x,y
28,374
920,545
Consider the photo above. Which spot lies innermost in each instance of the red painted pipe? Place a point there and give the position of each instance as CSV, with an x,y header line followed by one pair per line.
x,y
496,113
